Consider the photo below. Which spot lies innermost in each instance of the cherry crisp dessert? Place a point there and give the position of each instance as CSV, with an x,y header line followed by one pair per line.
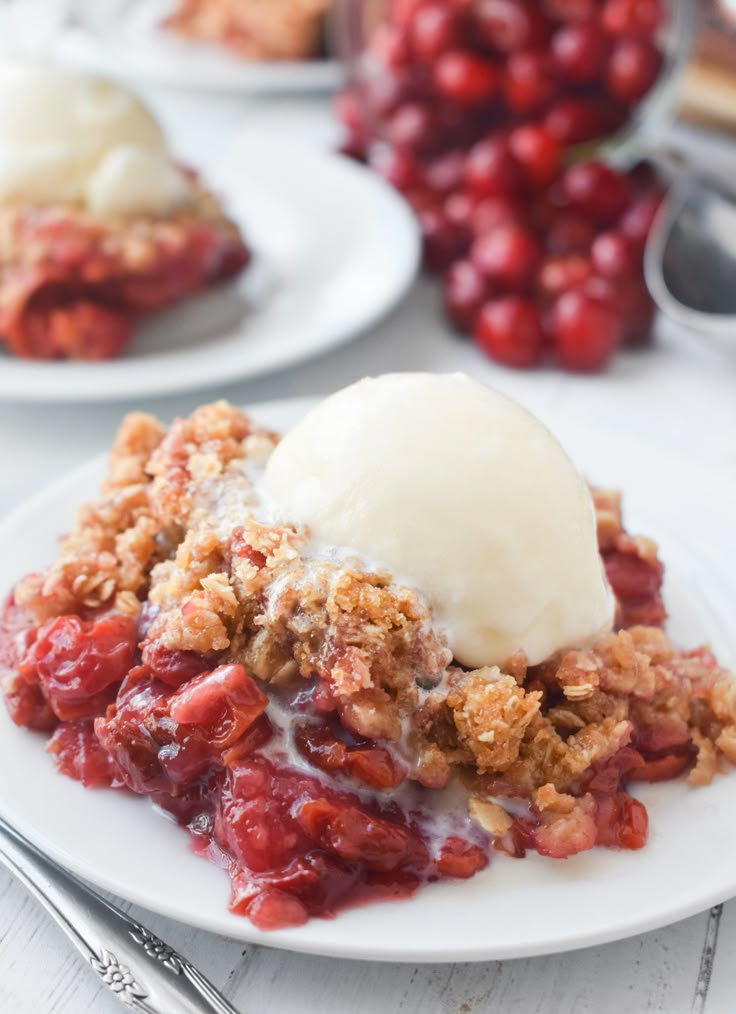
x,y
73,285
254,29
302,715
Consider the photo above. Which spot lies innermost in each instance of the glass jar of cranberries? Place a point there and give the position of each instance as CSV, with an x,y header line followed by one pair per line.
x,y
489,117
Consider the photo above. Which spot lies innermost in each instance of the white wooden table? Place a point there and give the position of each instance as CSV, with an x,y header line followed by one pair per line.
x,y
681,397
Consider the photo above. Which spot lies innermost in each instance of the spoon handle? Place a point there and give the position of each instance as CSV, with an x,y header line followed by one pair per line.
x,y
142,971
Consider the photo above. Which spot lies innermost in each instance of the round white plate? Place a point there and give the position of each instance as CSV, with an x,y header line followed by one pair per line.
x,y
126,38
514,908
335,249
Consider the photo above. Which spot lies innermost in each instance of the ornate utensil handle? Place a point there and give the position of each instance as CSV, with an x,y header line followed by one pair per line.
x,y
138,968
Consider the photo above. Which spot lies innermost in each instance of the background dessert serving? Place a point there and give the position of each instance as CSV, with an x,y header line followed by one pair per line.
x,y
98,225
709,93
255,29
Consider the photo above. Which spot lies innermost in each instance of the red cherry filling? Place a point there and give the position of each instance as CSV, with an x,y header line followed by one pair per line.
x,y
24,697
78,754
79,662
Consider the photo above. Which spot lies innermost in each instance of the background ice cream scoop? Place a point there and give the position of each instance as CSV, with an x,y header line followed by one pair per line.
x,y
69,137
464,495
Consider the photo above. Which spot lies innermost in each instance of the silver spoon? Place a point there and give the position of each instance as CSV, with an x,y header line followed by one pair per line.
x,y
142,971
690,257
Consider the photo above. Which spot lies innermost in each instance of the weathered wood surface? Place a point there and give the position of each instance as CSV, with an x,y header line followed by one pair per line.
x,y
687,968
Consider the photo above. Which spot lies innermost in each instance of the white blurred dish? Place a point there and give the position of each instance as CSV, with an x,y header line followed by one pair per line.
x,y
335,250
126,38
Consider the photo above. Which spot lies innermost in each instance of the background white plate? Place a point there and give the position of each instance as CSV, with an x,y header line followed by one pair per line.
x,y
516,907
335,249
126,38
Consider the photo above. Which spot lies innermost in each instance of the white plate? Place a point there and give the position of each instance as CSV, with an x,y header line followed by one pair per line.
x,y
516,907
126,38
336,248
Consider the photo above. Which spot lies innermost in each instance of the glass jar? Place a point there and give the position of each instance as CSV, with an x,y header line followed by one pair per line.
x,y
357,25
518,132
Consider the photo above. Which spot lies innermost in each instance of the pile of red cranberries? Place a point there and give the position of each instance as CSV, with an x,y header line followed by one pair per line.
x,y
475,110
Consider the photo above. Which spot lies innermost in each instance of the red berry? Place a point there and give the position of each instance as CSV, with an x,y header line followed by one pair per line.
x,y
569,233
586,330
633,69
444,242
435,28
558,275
631,298
529,82
491,170
637,221
465,290
410,127
542,212
579,52
538,153
510,331
397,167
446,173
597,190
507,255
633,17
491,212
458,209
421,199
612,255
465,78
573,121
404,11
384,93
510,25
349,110
570,10
353,146
390,46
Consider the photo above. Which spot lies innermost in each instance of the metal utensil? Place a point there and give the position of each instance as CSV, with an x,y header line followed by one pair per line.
x,y
139,969
690,258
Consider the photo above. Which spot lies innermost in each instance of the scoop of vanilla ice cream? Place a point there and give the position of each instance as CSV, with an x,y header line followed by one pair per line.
x,y
463,495
131,180
59,131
